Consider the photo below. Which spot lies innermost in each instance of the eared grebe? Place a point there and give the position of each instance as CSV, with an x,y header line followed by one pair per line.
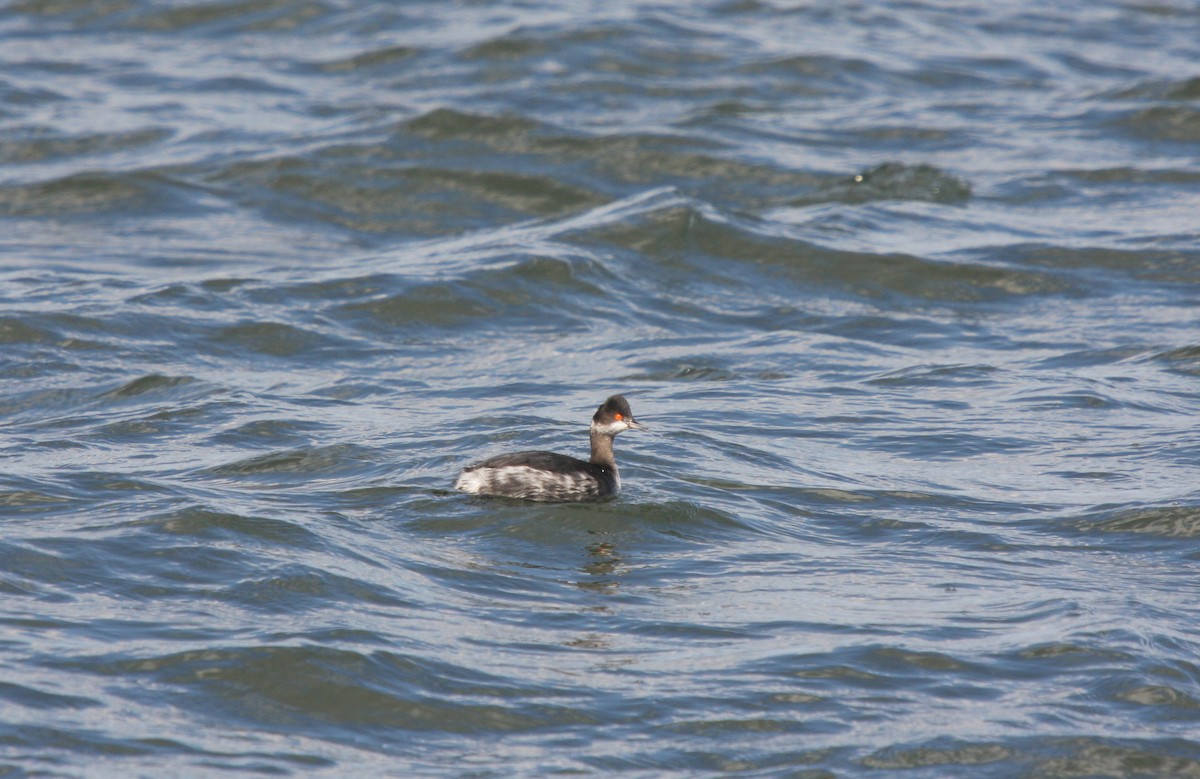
x,y
557,477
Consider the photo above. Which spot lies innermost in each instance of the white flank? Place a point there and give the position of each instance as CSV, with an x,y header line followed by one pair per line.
x,y
520,481
470,481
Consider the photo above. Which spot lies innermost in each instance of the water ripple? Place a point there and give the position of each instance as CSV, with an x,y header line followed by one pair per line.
x,y
905,292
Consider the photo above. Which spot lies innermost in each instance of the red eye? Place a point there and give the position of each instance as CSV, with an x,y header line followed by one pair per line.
x,y
618,416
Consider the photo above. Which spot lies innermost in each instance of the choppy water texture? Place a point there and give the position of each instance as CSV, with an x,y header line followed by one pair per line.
x,y
907,291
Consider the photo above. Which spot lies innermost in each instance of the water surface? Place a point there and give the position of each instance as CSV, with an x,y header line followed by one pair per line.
x,y
907,292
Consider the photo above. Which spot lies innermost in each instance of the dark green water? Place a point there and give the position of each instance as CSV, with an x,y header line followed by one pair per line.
x,y
907,291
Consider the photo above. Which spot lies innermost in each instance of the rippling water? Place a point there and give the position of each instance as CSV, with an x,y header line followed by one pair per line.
x,y
907,291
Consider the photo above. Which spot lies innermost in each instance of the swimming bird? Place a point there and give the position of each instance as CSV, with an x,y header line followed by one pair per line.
x,y
549,476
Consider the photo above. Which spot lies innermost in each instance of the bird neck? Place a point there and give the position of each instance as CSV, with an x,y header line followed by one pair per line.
x,y
602,449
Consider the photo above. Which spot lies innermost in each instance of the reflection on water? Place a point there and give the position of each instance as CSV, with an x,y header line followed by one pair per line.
x,y
604,572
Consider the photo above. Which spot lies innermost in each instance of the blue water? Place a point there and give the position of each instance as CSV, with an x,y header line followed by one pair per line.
x,y
906,291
